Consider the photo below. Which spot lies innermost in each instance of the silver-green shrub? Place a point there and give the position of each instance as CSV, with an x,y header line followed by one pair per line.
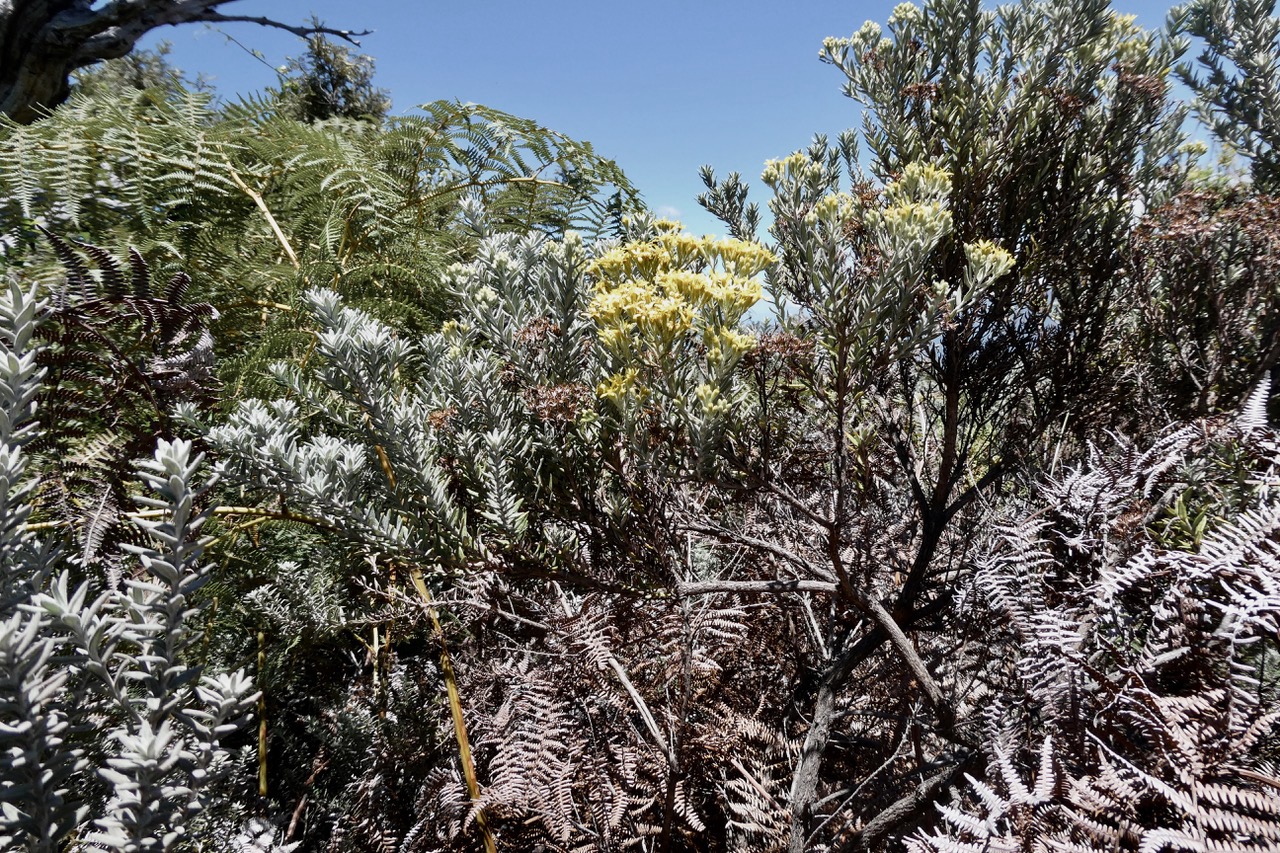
x,y
111,733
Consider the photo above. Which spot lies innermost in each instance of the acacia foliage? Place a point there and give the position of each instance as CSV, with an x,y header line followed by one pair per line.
x,y
598,565
256,205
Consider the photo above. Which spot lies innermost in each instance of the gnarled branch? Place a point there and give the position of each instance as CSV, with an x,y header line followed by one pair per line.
x,y
43,41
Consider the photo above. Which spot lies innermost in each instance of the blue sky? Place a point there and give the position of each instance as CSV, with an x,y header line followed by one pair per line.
x,y
660,86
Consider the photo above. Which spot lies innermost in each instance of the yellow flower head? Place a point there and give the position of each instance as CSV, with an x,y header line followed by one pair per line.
x,y
920,182
615,339
726,345
618,387
834,209
692,287
710,401
734,294
798,166
833,48
987,261
741,258
867,36
914,222
651,294
1123,42
906,13
1194,149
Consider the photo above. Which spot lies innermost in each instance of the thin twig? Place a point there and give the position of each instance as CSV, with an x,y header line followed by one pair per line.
x,y
761,545
301,31
266,213
689,588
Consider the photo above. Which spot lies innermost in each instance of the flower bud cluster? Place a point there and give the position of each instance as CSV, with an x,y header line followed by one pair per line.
x,y
916,211
906,13
986,261
834,209
798,168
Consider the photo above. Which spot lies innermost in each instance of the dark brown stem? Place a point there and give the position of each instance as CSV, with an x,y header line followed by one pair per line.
x,y
804,783
907,809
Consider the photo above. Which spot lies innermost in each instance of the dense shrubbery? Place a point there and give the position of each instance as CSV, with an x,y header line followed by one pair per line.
x,y
533,541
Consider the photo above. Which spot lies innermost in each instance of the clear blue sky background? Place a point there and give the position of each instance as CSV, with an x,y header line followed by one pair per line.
x,y
661,86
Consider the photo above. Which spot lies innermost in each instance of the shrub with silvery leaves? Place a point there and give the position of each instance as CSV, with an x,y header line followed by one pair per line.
x,y
109,733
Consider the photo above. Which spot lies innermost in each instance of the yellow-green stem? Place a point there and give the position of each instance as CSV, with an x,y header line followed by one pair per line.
x,y
262,716
455,708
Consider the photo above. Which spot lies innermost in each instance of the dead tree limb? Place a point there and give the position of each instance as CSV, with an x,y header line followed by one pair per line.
x,y
43,41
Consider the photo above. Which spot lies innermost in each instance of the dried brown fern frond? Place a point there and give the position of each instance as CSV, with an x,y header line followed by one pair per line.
x,y
120,355
1153,681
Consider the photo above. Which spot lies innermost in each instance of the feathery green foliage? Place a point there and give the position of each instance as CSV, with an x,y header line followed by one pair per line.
x,y
256,206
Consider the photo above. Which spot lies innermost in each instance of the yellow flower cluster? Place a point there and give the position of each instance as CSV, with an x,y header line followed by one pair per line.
x,y
917,212
987,261
867,38
799,165
650,294
906,13
711,401
834,208
619,386
638,303
1132,43
672,249
1194,149
915,222
920,182
1123,26
727,345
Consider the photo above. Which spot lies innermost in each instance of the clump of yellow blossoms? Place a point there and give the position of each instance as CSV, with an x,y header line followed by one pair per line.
x,y
987,261
906,13
798,166
867,38
835,208
916,211
652,296
919,181
619,386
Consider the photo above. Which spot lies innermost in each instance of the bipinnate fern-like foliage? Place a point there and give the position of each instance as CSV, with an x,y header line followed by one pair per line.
x,y
119,353
1145,665
258,207
107,717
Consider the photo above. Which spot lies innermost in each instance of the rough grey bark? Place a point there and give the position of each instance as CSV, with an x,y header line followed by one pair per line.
x,y
43,41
